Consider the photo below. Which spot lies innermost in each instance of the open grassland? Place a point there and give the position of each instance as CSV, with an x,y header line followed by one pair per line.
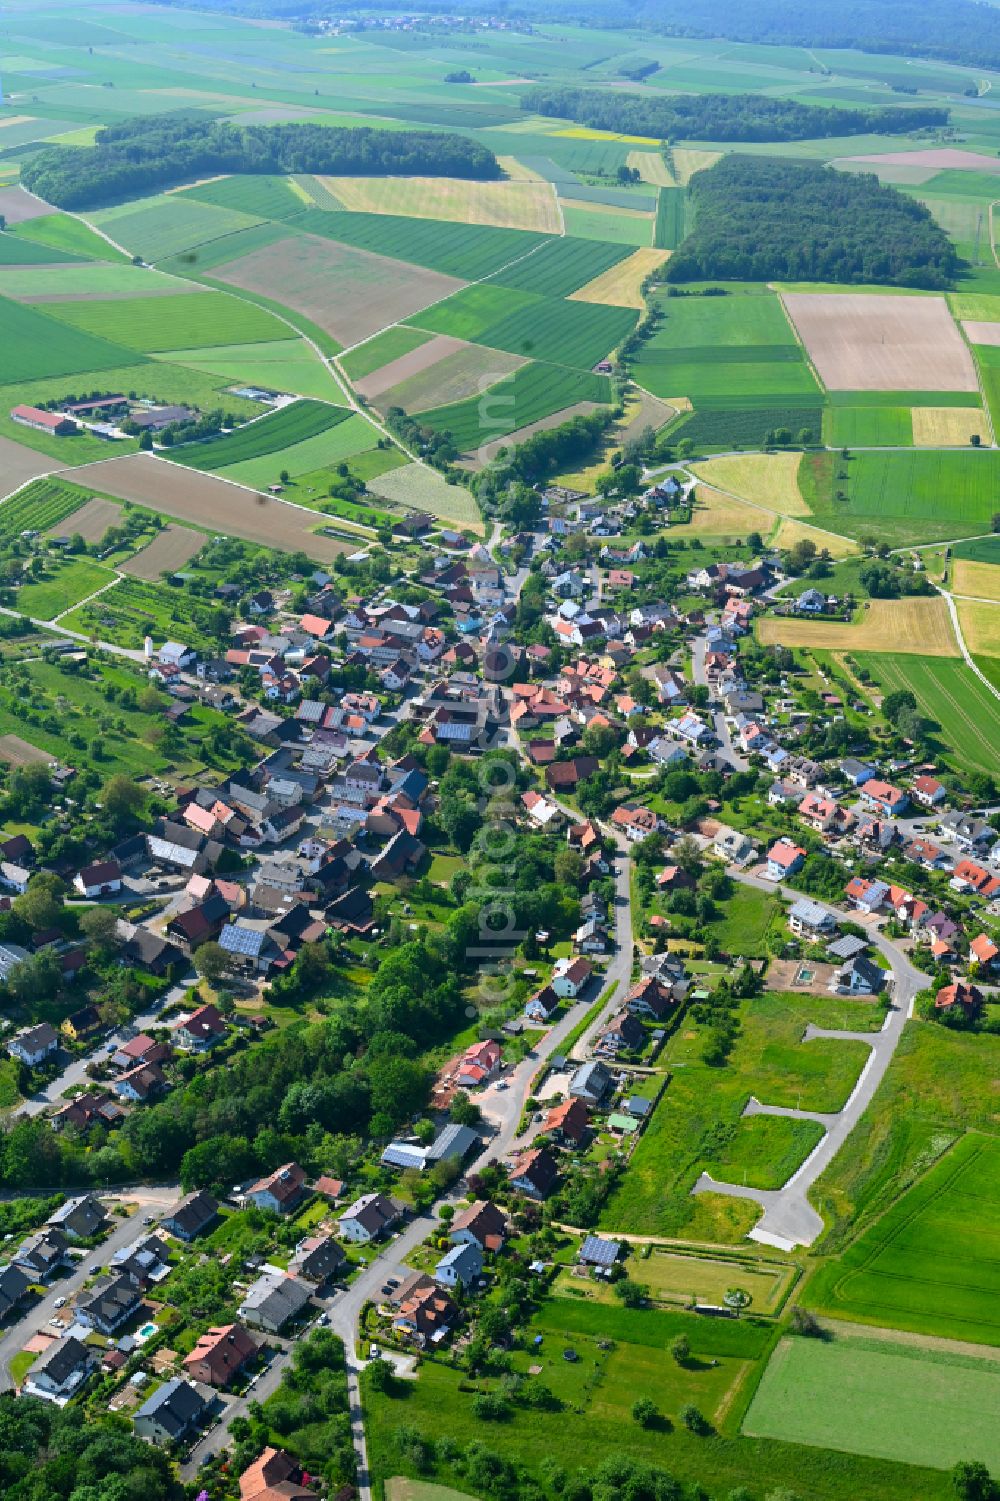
x,y
332,445
965,712
417,487
789,532
72,237
980,626
621,286
63,585
949,487
869,427
259,196
154,324
939,427
33,345
506,205
289,366
598,221
699,1124
383,349
916,624
558,268
462,371
267,435
833,1394
167,225
931,1263
766,479
532,392
468,251
19,250
190,496
863,343
978,580
348,293
169,550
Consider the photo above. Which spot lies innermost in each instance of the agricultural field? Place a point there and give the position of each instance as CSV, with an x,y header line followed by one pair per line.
x,y
671,218
916,624
861,342
287,366
71,238
869,427
621,285
381,350
34,344
956,488
347,292
77,280
941,427
978,580
980,626
166,225
833,1394
531,393
40,505
91,521
330,446
765,479
506,204
558,268
468,251
267,435
966,714
168,552
17,206
261,197
18,250
156,324
418,487
460,371
19,464
598,221
576,334
745,426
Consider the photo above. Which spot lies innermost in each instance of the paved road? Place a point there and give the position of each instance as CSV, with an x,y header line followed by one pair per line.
x,y
16,1336
789,1219
75,1072
699,648
218,1437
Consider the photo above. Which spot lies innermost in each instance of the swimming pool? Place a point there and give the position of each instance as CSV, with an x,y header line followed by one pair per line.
x,y
146,1332
805,976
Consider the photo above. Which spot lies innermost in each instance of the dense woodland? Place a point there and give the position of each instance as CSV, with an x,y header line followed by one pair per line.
x,y
759,218
152,151
722,117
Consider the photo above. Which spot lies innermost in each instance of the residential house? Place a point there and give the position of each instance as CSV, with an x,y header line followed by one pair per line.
x,y
81,1218
14,1285
984,952
478,1064
568,1122
146,1260
968,832
591,1082
368,1218
201,1031
220,1355
281,1191
462,1266
424,1313
34,1044
61,1370
43,1254
173,1412
784,859
534,1173
928,791
570,976
274,1301
649,999
810,921
867,896
959,997
482,1224
112,1300
859,976
317,1258
886,799
540,1006
732,845
624,1033
274,1476
141,1084
188,1219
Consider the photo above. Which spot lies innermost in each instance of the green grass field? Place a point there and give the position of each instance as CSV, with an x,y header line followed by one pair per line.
x,y
531,393
289,365
671,218
966,715
835,1394
19,250
466,250
33,345
382,350
69,236
262,197
605,226
331,445
928,485
67,583
92,278
578,334
158,324
932,1262
167,225
746,427
469,313
868,427
268,435
978,550
559,267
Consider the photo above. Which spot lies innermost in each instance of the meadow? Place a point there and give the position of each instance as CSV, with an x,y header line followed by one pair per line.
x,y
868,427
671,218
621,284
62,587
833,1394
85,278
167,225
966,715
578,334
70,237
19,250
332,445
156,324
596,221
33,345
260,196
267,435
290,366
559,267
931,1263
535,391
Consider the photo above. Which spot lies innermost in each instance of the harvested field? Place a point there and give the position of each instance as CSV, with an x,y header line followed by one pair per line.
x,y
874,343
718,515
189,495
889,625
505,205
466,371
413,362
17,752
980,626
941,427
977,580
790,532
939,158
981,333
348,293
648,411
687,161
17,206
652,168
417,487
489,451
91,521
19,464
168,552
764,479
620,286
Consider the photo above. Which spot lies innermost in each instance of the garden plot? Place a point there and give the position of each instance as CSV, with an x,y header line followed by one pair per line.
x,y
348,293
167,553
506,205
192,496
90,522
891,625
859,342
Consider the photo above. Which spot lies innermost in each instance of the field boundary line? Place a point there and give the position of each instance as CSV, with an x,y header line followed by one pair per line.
x,y
757,506
89,599
962,645
802,346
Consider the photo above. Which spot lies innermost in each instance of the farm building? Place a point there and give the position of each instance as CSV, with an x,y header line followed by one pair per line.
x,y
45,422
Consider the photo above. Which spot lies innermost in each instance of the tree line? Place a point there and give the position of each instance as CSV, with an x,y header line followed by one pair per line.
x,y
723,117
149,152
763,217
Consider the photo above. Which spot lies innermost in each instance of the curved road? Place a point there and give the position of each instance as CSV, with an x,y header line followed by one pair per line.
x,y
789,1219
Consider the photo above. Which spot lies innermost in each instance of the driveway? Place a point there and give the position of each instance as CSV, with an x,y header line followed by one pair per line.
x,y
789,1220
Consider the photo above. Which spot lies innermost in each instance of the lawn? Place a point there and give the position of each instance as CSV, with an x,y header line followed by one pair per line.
x,y
699,1123
34,345
466,250
932,1262
157,324
535,391
746,918
834,1394
676,1279
268,435
65,584
965,713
